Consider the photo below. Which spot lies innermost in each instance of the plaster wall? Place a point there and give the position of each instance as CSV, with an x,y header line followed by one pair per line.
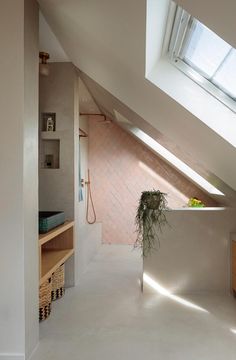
x,y
30,162
58,93
121,168
194,254
171,80
90,236
84,166
11,169
116,61
19,178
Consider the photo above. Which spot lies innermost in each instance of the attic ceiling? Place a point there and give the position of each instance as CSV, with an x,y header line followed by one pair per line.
x,y
110,106
106,40
49,43
87,105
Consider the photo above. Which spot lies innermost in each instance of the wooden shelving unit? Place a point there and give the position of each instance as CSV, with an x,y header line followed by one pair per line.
x,y
55,247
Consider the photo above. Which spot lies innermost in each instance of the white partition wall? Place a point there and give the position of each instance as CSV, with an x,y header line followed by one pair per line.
x,y
58,187
89,235
194,254
19,178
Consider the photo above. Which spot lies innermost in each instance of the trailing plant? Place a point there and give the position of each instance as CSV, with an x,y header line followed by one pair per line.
x,y
150,219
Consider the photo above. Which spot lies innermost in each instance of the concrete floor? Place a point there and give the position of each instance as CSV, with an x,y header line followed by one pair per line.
x,y
107,318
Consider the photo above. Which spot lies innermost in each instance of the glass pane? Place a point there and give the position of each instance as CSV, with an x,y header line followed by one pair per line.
x,y
225,77
205,50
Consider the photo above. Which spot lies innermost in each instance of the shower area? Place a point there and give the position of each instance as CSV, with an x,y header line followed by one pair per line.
x,y
114,170
94,170
120,168
89,229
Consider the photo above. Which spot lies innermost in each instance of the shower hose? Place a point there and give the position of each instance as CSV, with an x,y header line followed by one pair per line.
x,y
90,200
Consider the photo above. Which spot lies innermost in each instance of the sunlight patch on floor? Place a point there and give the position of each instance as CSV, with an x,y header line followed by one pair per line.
x,y
163,291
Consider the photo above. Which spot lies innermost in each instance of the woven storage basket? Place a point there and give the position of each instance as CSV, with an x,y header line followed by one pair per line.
x,y
45,299
58,283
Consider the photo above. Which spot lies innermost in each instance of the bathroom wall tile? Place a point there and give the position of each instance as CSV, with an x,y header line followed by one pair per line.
x,y
121,168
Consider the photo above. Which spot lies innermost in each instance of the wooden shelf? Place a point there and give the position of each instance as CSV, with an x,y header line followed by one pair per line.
x,y
55,247
51,260
43,238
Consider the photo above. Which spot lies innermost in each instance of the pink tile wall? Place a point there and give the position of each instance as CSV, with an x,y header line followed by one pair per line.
x,y
121,168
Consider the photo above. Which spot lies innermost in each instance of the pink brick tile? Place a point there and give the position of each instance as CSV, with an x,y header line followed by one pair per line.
x,y
118,180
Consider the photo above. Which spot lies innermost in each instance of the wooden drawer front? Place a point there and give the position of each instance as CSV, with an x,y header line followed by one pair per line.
x,y
234,282
234,266
234,249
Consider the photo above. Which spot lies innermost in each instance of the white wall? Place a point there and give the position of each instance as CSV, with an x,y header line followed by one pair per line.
x,y
49,43
84,166
89,236
58,187
206,107
11,169
168,78
194,255
155,31
111,106
115,59
31,175
90,239
74,260
18,168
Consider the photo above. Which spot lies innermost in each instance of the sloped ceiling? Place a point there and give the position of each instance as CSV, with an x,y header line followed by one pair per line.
x,y
87,105
110,105
49,43
105,39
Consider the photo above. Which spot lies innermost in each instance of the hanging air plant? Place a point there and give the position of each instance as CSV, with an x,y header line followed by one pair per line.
x,y
150,219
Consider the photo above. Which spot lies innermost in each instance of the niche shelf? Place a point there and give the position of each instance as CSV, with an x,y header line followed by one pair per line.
x,y
52,135
48,122
50,154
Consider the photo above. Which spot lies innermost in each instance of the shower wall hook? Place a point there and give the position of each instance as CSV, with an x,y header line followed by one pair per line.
x,y
83,182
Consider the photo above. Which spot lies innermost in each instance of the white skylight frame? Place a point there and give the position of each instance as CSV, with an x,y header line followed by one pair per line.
x,y
183,25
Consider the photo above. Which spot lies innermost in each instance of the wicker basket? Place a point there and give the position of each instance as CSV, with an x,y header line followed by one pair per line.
x,y
45,300
58,283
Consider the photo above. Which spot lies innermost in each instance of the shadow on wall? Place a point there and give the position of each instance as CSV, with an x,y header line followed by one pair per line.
x,y
121,168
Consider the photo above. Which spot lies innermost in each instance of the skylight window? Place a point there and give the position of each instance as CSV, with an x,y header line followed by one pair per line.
x,y
205,57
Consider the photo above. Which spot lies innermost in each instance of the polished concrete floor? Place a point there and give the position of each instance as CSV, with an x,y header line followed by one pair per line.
x,y
107,318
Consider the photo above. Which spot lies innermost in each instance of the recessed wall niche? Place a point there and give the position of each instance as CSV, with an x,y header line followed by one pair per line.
x,y
48,121
50,154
